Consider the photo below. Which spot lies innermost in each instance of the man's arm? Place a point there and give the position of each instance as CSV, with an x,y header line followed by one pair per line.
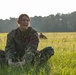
x,y
31,48
9,49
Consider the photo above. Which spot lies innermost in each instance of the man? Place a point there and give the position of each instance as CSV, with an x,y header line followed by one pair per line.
x,y
22,43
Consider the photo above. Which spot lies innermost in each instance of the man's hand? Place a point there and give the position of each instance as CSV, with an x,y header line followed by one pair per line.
x,y
20,63
10,63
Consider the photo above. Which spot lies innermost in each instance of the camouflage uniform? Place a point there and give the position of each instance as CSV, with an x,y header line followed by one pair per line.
x,y
2,57
23,45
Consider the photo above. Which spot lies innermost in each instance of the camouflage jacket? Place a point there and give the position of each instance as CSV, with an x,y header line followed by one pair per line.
x,y
22,44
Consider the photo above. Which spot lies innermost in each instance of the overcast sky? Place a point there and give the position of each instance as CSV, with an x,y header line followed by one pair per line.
x,y
13,8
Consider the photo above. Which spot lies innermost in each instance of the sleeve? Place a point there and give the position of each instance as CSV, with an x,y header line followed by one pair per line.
x,y
10,46
31,48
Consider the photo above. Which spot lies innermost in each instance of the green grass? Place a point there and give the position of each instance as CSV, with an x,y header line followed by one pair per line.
x,y
62,63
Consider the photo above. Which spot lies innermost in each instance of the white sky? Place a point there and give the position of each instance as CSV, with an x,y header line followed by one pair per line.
x,y
13,8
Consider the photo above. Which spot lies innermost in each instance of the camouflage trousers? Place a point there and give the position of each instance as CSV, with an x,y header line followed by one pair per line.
x,y
2,57
41,56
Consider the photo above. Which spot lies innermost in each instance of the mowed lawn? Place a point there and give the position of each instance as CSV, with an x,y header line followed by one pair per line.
x,y
63,62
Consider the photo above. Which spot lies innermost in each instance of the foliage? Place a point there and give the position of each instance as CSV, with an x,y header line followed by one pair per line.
x,y
50,23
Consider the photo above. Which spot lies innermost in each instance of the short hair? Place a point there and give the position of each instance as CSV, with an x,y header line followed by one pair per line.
x,y
20,17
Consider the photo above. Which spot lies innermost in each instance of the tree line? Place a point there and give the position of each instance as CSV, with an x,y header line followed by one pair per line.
x,y
51,23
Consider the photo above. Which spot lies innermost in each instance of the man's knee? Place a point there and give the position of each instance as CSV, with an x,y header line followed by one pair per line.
x,y
2,52
44,55
48,51
2,56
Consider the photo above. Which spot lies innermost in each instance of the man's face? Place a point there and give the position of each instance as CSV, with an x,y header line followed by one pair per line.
x,y
24,23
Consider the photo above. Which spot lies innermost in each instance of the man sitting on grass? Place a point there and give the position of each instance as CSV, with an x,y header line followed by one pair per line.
x,y
22,43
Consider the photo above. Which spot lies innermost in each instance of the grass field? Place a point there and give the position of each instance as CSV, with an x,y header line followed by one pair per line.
x,y
62,63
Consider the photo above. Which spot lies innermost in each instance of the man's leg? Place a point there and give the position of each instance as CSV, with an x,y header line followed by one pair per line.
x,y
43,55
2,57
